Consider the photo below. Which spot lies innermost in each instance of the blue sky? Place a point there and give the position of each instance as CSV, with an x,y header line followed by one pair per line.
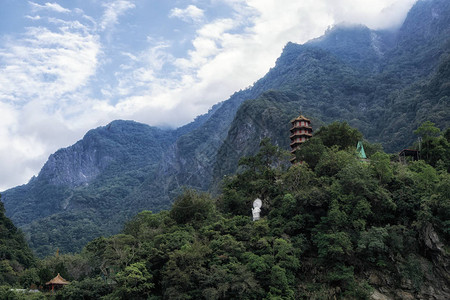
x,y
69,66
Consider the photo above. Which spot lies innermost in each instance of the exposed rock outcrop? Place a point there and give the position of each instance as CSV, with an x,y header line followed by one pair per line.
x,y
430,279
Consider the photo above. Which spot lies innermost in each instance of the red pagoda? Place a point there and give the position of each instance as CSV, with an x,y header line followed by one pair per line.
x,y
300,132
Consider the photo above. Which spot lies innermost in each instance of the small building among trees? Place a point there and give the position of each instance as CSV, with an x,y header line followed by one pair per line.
x,y
411,153
57,283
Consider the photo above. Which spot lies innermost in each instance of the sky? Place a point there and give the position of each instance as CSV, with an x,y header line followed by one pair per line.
x,y
72,65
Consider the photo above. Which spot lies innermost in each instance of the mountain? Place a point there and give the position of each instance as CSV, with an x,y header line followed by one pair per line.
x,y
79,189
334,227
98,159
385,83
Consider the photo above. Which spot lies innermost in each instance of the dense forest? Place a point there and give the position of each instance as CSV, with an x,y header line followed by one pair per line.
x,y
334,226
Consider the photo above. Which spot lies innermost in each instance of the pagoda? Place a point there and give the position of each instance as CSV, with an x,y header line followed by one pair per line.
x,y
57,282
301,131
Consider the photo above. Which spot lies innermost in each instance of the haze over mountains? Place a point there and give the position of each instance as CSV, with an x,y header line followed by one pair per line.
x,y
383,83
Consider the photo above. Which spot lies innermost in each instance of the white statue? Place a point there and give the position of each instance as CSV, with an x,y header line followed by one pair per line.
x,y
256,210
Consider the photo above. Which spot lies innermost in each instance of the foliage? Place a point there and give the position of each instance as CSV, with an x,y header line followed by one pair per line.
x,y
324,227
427,129
192,207
88,288
15,255
339,134
134,282
434,147
381,167
8,294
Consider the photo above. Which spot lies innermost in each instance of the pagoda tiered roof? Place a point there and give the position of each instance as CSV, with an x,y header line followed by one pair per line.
x,y
300,118
308,134
58,280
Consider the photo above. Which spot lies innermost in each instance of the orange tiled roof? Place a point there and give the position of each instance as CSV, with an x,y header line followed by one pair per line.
x,y
57,280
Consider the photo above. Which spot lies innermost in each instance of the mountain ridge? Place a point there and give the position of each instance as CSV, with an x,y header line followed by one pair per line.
x,y
142,167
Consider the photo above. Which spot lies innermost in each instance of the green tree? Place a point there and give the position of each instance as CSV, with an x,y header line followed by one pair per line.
x,y
332,161
439,205
381,167
87,289
7,273
373,245
427,129
339,134
15,255
279,284
298,178
434,147
230,281
192,207
29,277
311,151
145,225
333,246
134,282
256,179
185,270
267,157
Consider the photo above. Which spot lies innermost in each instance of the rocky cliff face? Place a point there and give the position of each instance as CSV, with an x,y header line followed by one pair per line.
x,y
357,45
76,165
95,174
120,142
421,42
422,277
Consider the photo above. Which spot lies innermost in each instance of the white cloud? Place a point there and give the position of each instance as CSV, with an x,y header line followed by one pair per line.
x,y
188,14
139,75
40,72
33,18
228,54
47,74
46,64
393,14
49,6
381,14
231,53
113,10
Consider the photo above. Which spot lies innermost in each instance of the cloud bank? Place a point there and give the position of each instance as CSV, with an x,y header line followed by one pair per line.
x,y
67,72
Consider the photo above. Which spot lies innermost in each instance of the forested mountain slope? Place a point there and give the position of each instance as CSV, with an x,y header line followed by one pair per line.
x,y
15,255
383,83
78,193
334,227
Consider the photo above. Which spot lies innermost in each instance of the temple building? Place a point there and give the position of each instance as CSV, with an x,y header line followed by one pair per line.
x,y
301,131
408,154
57,282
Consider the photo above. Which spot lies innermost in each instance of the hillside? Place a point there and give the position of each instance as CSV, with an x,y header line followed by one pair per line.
x,y
78,192
15,255
334,227
383,83
357,75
